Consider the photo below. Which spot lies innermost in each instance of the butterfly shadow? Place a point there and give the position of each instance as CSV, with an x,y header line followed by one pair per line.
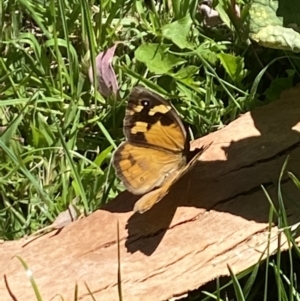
x,y
151,225
231,185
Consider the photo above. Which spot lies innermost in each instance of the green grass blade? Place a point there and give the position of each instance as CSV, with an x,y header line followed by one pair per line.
x,y
31,279
237,288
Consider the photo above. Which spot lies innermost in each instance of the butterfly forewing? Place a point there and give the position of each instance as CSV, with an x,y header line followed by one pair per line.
x,y
150,120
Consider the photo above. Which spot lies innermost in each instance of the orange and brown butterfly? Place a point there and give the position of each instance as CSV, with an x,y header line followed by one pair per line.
x,y
155,153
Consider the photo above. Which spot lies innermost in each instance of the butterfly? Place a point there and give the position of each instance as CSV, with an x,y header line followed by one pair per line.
x,y
156,151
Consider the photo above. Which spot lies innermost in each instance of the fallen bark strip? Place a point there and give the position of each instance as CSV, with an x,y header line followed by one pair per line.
x,y
215,216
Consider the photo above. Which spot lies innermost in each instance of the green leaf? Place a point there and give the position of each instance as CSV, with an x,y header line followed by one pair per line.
x,y
186,72
233,65
103,155
278,37
275,26
222,9
178,32
11,130
263,13
44,129
157,59
209,52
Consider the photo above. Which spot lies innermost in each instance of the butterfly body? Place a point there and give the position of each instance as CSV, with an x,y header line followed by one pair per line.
x,y
155,152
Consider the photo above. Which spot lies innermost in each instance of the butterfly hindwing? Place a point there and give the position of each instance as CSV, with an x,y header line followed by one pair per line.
x,y
151,198
141,169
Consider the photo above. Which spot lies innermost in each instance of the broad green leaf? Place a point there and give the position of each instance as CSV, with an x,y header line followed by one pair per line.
x,y
278,37
233,65
263,13
275,26
178,32
157,59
